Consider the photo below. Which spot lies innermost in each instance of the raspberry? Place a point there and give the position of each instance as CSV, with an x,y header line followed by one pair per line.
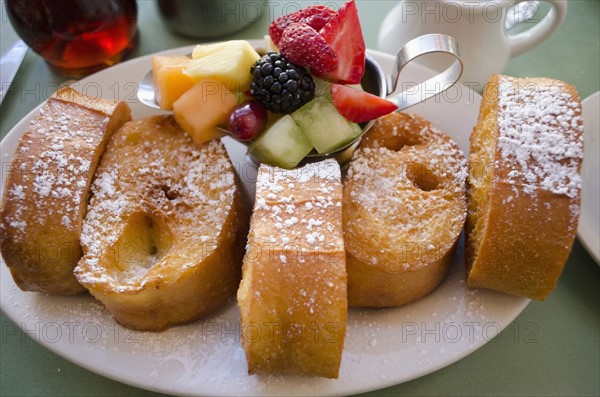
x,y
314,16
280,85
303,45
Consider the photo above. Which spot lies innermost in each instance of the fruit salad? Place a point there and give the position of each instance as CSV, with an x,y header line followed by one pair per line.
x,y
301,96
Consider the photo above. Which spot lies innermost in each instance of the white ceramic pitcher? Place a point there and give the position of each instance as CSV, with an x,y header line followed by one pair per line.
x,y
478,26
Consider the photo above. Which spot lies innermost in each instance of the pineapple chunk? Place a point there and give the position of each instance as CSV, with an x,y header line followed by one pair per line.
x,y
169,80
203,108
270,45
228,62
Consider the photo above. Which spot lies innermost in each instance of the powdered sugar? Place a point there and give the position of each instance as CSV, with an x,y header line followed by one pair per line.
x,y
398,197
287,196
296,240
152,168
17,192
276,180
535,124
54,160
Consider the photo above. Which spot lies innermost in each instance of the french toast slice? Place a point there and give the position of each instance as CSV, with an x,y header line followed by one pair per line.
x,y
164,236
524,185
404,210
47,189
292,297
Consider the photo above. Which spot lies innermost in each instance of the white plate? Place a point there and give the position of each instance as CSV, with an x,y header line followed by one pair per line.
x,y
589,220
382,347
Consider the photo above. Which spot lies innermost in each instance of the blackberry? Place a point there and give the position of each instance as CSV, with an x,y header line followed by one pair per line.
x,y
280,85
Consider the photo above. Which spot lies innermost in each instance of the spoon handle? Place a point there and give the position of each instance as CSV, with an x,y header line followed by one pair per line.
x,y
416,93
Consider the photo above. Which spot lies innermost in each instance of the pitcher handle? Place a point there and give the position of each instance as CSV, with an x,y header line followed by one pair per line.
x,y
521,42
422,45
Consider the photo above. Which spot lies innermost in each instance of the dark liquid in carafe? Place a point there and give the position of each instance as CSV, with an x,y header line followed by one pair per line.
x,y
76,34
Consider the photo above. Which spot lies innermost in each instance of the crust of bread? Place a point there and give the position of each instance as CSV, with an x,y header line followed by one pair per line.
x,y
292,297
46,193
165,232
523,219
404,210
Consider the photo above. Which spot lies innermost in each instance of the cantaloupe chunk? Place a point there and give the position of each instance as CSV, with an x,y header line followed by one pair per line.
x,y
228,62
203,108
169,80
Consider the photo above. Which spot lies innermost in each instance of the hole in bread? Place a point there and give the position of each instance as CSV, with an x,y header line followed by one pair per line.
x,y
398,139
169,194
422,177
145,240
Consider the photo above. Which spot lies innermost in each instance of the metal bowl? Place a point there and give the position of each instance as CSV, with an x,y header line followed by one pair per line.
x,y
375,82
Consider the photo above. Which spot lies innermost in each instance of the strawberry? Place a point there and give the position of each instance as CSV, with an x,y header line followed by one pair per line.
x,y
344,35
303,45
359,106
314,16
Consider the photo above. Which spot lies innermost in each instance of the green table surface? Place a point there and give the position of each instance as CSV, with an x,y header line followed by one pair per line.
x,y
562,359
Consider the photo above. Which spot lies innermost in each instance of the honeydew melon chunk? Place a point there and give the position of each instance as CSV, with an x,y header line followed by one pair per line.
x,y
283,144
324,127
228,62
322,89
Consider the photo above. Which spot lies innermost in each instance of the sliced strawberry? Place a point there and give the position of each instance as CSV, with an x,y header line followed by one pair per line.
x,y
344,35
303,45
359,106
314,16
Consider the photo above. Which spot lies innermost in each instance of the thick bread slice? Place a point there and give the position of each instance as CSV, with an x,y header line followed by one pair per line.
x,y
46,193
404,209
164,236
293,293
524,185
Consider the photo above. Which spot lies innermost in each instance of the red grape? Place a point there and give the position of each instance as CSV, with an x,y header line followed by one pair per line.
x,y
247,120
